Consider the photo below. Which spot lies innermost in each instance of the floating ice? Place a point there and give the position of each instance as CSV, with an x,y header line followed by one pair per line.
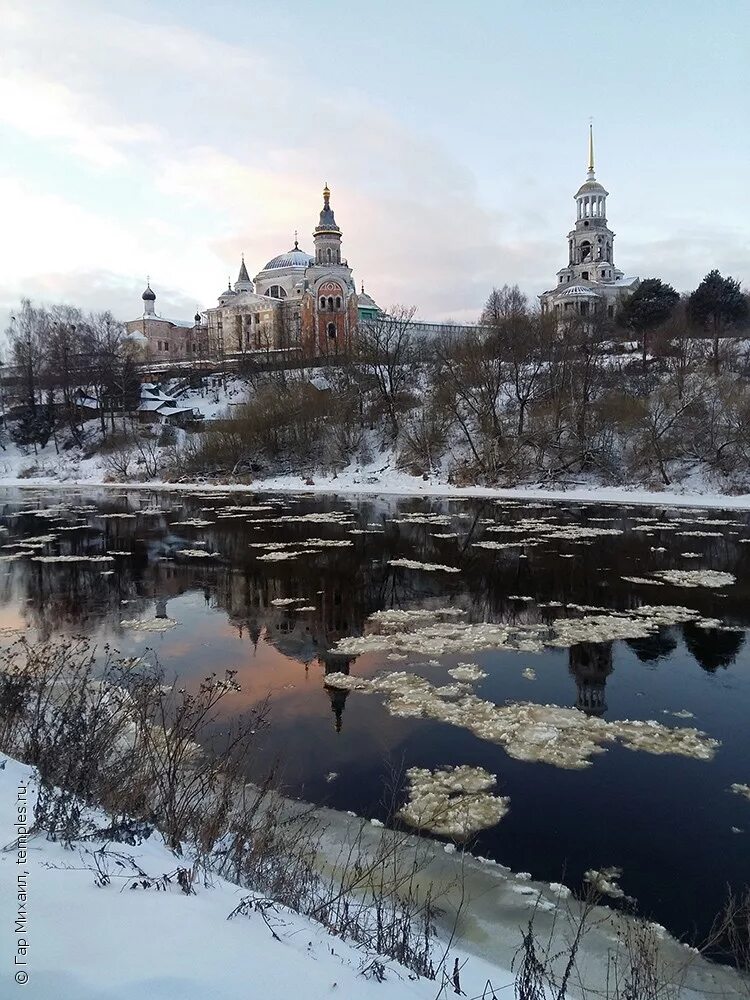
x,y
467,672
696,577
740,789
452,801
196,554
420,632
149,624
72,559
428,567
529,673
564,737
279,556
605,881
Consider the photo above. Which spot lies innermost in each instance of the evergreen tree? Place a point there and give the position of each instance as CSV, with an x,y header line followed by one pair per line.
x,y
650,305
718,304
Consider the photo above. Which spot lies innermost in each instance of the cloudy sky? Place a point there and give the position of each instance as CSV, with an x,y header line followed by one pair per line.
x,y
165,138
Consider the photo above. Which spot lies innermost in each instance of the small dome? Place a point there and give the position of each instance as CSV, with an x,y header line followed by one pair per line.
x,y
148,295
292,258
580,292
590,187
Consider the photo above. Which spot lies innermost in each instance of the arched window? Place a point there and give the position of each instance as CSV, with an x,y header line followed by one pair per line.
x,y
338,301
322,301
330,302
331,331
585,251
330,255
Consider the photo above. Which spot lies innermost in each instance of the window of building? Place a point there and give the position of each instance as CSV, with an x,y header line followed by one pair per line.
x,y
561,277
166,345
584,308
276,292
330,302
604,274
610,311
322,301
330,255
338,301
585,275
331,331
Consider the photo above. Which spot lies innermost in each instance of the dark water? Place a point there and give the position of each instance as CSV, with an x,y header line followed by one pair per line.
x,y
667,821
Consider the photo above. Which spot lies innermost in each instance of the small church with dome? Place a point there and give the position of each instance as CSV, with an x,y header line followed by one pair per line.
x,y
589,284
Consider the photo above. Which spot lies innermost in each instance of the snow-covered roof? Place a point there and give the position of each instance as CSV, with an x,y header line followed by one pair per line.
x,y
626,281
153,318
579,291
152,405
154,393
292,258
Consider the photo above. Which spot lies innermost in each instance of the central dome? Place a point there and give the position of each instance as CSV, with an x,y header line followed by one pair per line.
x,y
292,258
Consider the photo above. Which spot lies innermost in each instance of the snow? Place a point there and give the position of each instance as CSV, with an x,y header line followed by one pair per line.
x,y
218,394
89,942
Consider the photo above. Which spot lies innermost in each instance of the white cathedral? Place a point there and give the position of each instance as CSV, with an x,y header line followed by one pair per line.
x,y
589,284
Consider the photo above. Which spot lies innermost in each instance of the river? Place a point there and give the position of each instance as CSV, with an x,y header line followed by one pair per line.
x,y
616,612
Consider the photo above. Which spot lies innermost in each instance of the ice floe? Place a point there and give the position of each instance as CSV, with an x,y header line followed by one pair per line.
x,y
469,672
605,881
740,789
452,801
149,624
72,559
564,737
428,567
696,577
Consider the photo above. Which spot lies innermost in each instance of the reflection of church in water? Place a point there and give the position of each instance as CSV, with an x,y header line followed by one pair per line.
x,y
590,664
308,637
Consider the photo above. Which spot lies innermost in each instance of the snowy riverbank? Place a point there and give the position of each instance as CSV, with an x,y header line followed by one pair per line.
x,y
85,937
395,483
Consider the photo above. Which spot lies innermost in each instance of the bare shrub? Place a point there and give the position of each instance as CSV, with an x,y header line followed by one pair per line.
x,y
425,439
118,455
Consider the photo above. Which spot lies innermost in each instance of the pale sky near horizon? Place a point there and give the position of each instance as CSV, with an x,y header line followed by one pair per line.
x,y
165,138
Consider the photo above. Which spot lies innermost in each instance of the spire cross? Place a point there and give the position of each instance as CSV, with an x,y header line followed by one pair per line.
x,y
591,148
296,245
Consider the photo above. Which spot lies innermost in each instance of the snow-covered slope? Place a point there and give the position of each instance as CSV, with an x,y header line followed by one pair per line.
x,y
109,942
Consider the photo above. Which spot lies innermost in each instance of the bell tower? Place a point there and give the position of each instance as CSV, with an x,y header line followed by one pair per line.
x,y
591,242
327,235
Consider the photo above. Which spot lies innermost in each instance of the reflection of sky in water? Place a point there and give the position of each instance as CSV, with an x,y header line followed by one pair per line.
x,y
665,820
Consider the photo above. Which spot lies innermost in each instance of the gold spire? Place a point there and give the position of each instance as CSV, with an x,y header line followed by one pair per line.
x,y
591,150
326,193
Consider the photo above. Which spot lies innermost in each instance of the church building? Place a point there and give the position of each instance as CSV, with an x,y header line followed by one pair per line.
x,y
167,339
589,284
298,300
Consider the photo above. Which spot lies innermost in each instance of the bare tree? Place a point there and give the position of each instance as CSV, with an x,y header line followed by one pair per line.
x,y
385,350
